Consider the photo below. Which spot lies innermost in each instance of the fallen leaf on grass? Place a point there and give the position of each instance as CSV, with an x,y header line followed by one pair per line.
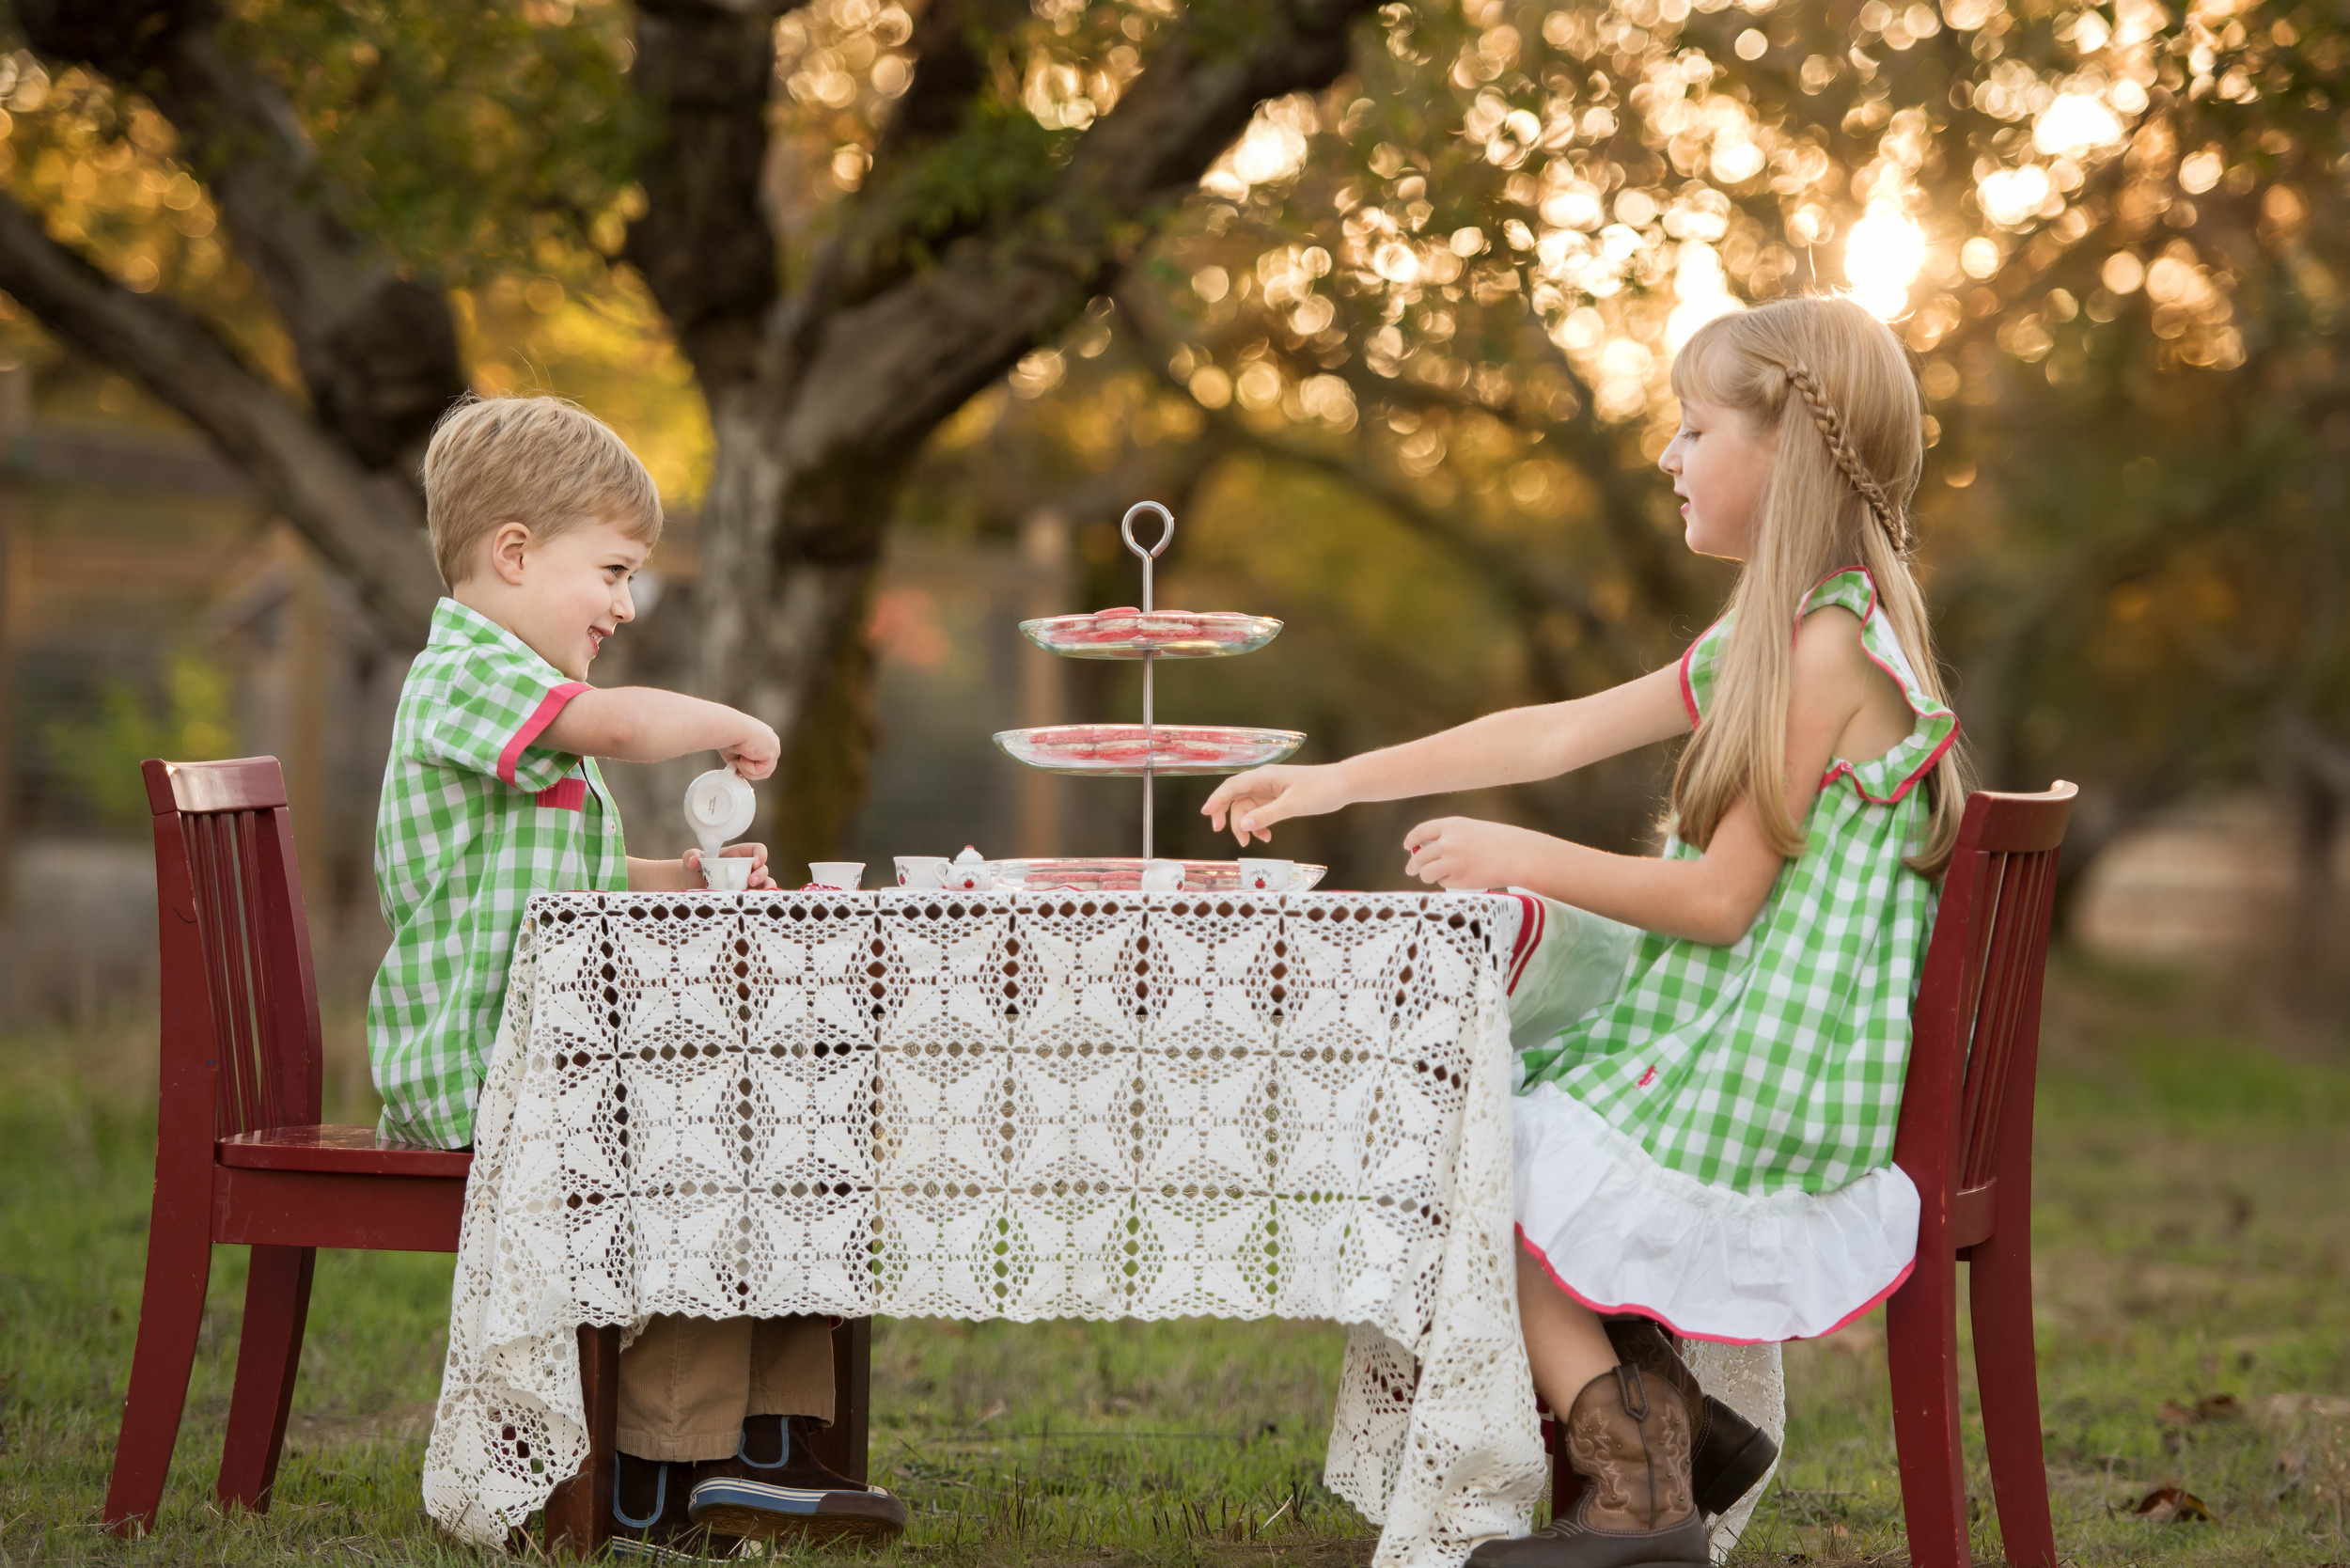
x,y
2172,1505
2211,1407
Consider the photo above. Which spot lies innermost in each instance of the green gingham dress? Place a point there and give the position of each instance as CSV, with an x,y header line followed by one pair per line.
x,y
1711,1143
475,817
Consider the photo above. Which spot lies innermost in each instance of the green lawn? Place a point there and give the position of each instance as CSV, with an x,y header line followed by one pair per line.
x,y
2194,1331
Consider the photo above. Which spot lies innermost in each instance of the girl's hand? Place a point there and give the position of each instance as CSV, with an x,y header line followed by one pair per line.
x,y
1257,799
757,854
1461,854
752,756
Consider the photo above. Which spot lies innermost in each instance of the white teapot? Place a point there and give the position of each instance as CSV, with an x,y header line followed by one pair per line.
x,y
970,873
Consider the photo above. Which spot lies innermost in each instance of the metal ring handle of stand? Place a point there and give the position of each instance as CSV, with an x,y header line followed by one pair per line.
x,y
1149,659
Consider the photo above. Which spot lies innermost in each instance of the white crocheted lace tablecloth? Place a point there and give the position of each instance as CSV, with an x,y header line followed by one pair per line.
x,y
1020,1105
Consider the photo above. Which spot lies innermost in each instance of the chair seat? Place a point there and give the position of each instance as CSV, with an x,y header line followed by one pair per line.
x,y
344,1151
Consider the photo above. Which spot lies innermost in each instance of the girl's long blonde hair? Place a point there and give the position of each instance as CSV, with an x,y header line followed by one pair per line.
x,y
1835,384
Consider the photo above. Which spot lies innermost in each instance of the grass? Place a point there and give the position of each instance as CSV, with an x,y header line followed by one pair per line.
x,y
2192,1236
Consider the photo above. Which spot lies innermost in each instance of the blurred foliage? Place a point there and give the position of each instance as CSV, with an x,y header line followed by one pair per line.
x,y
99,757
1453,286
1404,358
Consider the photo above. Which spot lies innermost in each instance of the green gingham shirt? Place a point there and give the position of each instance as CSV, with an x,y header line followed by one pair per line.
x,y
475,817
1775,1064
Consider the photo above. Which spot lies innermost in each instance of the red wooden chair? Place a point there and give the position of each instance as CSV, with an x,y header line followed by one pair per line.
x,y
1965,1138
240,1155
241,1159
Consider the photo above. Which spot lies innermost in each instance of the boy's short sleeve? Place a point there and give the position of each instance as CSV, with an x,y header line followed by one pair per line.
x,y
496,703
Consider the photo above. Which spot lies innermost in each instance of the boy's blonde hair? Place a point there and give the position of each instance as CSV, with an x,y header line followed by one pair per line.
x,y
1836,384
546,462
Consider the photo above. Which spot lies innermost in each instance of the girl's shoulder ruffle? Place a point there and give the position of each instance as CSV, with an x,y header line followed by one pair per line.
x,y
1887,778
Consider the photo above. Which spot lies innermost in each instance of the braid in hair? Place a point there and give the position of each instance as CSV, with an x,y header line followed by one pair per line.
x,y
1831,426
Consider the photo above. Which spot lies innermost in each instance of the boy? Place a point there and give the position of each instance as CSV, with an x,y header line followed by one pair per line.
x,y
539,516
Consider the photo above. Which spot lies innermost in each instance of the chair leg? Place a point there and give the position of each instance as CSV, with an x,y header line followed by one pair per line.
x,y
1921,1354
269,1353
171,1316
842,1446
1999,1286
579,1514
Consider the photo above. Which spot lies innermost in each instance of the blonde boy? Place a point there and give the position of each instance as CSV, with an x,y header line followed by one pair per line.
x,y
539,517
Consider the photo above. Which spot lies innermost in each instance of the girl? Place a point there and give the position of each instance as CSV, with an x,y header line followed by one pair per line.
x,y
1710,1147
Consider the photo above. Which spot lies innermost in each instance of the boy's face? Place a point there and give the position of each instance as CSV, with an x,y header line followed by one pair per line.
x,y
564,595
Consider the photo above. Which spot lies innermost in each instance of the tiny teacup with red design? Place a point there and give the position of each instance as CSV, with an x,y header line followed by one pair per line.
x,y
922,870
839,876
1267,876
726,873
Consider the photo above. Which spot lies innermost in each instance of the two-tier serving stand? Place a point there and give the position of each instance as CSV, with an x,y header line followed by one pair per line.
x,y
1149,750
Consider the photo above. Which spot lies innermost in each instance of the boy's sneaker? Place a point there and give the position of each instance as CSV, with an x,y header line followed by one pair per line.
x,y
650,1520
792,1495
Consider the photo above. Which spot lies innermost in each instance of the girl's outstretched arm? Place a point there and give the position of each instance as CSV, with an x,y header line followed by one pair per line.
x,y
1715,898
1514,747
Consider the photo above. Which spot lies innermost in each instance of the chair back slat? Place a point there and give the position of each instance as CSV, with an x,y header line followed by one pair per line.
x,y
251,949
1976,1040
2006,924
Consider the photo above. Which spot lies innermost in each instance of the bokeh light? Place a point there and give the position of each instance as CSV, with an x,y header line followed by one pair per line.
x,y
1882,257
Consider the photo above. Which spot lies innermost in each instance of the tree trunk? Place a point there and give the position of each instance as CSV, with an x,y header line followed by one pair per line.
x,y
790,552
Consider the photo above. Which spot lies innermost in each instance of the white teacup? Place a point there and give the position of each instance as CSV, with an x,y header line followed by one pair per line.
x,y
843,875
1267,876
1161,876
726,873
922,870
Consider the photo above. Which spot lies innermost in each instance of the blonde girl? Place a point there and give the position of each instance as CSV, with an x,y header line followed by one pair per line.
x,y
1709,1148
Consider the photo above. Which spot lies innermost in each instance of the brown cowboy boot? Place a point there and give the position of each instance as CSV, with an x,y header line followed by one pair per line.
x,y
1628,1438
1728,1453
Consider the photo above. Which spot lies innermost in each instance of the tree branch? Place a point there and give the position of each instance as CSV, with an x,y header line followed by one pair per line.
x,y
368,527
378,351
899,362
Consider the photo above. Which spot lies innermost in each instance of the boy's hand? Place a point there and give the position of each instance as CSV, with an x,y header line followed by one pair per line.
x,y
1257,799
754,757
1461,854
757,854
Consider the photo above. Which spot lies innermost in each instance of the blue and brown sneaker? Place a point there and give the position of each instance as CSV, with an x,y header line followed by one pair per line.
x,y
649,1522
792,1495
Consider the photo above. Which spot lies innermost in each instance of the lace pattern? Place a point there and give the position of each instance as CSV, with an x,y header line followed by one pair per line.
x,y
1017,1106
1750,1380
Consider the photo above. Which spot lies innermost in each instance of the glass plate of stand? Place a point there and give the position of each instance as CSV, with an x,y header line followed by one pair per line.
x,y
1175,750
1127,632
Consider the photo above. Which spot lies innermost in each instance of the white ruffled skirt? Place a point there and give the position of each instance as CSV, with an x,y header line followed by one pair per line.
x,y
1622,1234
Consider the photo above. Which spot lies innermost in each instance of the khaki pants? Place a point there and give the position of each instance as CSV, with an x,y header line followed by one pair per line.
x,y
688,1383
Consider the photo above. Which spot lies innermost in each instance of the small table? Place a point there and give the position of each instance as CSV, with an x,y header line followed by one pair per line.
x,y
1021,1106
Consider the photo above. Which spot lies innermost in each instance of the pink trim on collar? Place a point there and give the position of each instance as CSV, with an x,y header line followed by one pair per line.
x,y
540,718
1846,1321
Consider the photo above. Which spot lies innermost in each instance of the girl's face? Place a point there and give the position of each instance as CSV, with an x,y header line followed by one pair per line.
x,y
1720,467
